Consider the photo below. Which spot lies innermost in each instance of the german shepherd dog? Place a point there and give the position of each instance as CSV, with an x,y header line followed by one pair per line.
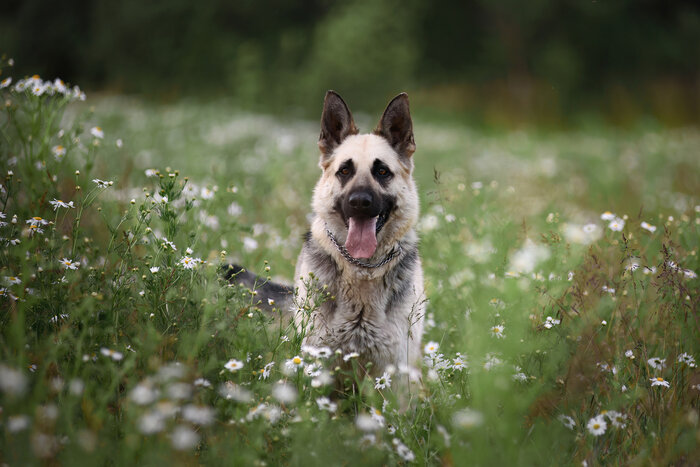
x,y
362,246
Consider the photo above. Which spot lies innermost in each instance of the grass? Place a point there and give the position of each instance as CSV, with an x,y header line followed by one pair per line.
x,y
114,362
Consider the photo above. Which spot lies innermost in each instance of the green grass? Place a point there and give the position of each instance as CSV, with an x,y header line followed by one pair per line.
x,y
104,364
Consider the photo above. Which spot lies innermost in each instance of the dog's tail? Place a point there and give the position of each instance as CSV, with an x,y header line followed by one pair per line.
x,y
270,295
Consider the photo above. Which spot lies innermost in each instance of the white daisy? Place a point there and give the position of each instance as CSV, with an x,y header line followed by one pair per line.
x,y
97,132
233,365
567,421
687,359
113,354
57,203
69,264
431,347
597,425
497,331
649,227
658,381
325,403
383,381
657,363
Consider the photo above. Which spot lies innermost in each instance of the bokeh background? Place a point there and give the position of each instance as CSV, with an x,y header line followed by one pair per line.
x,y
495,63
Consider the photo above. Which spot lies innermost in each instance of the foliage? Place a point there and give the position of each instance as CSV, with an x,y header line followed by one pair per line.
x,y
554,334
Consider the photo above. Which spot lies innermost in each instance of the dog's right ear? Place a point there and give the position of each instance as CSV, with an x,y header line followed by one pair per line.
x,y
336,123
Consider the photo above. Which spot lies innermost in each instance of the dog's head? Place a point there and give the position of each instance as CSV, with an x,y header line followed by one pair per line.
x,y
366,195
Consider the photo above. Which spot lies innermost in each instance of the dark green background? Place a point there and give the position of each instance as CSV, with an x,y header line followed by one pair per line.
x,y
498,62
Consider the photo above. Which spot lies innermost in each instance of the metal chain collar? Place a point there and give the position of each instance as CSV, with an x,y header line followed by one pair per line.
x,y
392,254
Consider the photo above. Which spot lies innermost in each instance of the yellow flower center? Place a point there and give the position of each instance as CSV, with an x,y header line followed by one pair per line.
x,y
659,379
296,360
377,411
596,426
35,77
37,218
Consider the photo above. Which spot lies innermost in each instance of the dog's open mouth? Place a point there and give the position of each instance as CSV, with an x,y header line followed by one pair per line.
x,y
362,234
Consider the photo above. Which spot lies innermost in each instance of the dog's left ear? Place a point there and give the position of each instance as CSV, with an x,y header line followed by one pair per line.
x,y
396,126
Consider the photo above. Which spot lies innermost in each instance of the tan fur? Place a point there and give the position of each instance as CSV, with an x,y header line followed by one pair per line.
x,y
386,330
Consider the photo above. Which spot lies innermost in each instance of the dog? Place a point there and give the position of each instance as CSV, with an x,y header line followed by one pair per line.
x,y
362,247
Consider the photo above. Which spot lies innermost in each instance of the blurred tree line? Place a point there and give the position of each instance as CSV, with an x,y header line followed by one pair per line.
x,y
498,60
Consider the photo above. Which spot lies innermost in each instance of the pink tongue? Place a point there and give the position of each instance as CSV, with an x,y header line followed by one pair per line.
x,y
362,238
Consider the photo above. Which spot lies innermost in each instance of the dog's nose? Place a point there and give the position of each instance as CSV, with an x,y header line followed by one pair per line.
x,y
360,200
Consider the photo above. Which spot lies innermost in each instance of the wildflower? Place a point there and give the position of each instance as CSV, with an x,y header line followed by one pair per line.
x,y
629,354
151,422
37,221
519,375
294,363
467,418
608,216
617,224
550,322
366,423
431,347
323,379
491,361
458,363
97,132
266,370
206,193
657,363
113,354
184,438
284,393
649,227
12,280
154,269
619,420
687,359
607,289
231,391
188,262
312,370
690,274
233,365
70,264
202,383
349,356
597,425
58,152
151,173
103,183
377,416
403,451
250,244
325,403
17,423
567,421
497,331
383,381
198,414
12,381
658,381
119,143
6,82
57,203
143,394
169,244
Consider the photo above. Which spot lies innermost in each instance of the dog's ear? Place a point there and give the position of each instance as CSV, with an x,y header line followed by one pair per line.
x,y
396,126
336,123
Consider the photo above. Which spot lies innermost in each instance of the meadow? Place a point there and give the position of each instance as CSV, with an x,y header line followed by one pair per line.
x,y
561,273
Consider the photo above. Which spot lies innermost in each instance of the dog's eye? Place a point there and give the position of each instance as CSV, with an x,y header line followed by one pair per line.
x,y
345,171
382,172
